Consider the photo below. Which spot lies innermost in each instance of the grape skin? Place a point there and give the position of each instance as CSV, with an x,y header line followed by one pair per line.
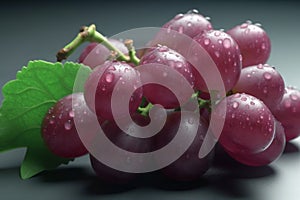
x,y
272,153
225,53
100,86
254,43
263,82
249,124
188,167
158,94
190,24
288,112
58,129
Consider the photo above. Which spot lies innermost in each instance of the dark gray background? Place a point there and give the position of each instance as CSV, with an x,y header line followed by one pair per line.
x,y
31,30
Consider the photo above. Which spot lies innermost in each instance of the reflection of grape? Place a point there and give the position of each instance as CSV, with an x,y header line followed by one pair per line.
x,y
157,94
59,131
96,54
190,24
225,53
249,124
189,166
100,86
254,43
267,156
288,113
263,82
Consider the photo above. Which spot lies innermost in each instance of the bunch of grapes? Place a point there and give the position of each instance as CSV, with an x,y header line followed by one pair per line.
x,y
259,112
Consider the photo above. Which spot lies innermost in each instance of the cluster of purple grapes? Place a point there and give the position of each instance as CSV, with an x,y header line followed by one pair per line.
x,y
261,112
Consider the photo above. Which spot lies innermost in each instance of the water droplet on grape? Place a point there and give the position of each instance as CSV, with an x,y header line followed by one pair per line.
x,y
217,53
260,66
265,90
294,97
247,31
208,18
109,78
244,25
232,115
249,75
72,113
235,105
51,121
263,46
267,76
68,125
244,98
165,74
220,41
189,24
180,29
258,24
217,33
178,16
206,41
261,117
249,22
227,43
163,49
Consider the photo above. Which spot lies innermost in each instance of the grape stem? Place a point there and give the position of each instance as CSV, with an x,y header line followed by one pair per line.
x,y
89,34
131,51
145,111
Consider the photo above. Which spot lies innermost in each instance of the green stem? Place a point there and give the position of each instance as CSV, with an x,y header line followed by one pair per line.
x,y
89,34
131,51
145,111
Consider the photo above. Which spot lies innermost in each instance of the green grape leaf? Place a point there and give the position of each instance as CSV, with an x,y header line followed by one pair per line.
x,y
27,99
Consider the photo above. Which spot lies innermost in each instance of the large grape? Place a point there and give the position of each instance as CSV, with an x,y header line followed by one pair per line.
x,y
158,94
288,113
267,156
254,43
191,24
263,82
96,54
249,125
59,131
188,166
101,84
225,53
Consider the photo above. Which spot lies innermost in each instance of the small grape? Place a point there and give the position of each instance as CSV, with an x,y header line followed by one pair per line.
x,y
225,53
58,129
101,84
96,53
249,125
288,112
272,153
254,43
263,82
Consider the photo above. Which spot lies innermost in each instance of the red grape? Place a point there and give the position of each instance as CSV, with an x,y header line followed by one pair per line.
x,y
254,43
190,24
288,113
249,124
96,53
102,83
58,129
263,82
267,156
225,53
188,166
158,94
